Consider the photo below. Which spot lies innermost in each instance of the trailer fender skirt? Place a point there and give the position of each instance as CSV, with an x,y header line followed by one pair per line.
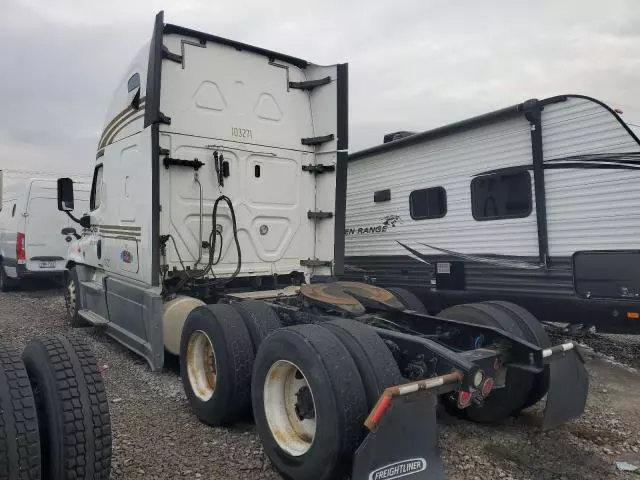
x,y
404,444
568,386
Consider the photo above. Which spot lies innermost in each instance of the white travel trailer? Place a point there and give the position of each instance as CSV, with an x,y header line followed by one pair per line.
x,y
537,204
217,212
30,226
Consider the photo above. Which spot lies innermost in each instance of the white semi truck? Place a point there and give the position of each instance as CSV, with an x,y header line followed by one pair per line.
x,y
216,233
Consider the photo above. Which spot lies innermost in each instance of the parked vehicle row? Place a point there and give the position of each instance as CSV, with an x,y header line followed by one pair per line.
x,y
215,231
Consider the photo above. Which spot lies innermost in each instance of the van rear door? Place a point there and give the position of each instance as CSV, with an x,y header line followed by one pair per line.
x,y
45,246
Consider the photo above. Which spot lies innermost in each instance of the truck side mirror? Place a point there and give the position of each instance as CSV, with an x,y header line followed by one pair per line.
x,y
65,195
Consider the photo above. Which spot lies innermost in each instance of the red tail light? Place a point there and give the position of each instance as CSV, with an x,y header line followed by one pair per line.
x,y
20,253
464,399
487,386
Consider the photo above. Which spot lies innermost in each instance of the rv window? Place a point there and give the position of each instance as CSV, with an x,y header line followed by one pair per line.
x,y
133,83
428,203
502,195
96,189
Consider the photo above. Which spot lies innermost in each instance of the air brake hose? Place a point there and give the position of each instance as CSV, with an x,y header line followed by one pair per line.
x,y
212,248
212,237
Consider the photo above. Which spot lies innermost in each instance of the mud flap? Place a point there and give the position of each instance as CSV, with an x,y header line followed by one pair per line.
x,y
404,443
568,386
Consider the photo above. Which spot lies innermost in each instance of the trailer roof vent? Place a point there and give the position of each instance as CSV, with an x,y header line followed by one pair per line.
x,y
390,137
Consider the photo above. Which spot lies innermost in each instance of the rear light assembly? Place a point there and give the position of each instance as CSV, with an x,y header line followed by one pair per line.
x,y
20,252
464,399
487,386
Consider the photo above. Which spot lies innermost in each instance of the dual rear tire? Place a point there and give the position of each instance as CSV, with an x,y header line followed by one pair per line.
x,y
521,389
310,387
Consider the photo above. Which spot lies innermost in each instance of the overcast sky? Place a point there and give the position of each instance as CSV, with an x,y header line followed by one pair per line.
x,y
413,64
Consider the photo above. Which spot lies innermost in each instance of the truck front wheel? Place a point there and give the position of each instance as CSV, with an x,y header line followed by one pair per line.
x,y
72,299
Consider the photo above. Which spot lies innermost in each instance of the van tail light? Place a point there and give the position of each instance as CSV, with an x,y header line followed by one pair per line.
x,y
20,253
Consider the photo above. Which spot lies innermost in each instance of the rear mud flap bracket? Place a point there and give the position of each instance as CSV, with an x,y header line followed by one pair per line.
x,y
568,387
404,444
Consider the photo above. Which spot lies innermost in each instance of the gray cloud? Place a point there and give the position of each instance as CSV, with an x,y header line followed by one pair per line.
x,y
415,64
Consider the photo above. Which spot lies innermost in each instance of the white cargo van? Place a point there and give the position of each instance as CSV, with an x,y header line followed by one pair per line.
x,y
30,226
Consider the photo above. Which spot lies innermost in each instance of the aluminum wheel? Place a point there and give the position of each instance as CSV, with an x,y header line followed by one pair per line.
x,y
201,365
289,408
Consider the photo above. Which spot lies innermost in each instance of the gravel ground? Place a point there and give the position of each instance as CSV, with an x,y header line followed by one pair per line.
x,y
156,436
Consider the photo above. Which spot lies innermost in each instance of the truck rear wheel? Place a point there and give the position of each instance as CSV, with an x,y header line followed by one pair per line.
x,y
408,299
535,333
501,402
19,433
216,358
73,411
259,318
376,365
308,402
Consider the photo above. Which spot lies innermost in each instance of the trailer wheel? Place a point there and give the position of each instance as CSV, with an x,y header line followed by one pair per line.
x,y
501,402
73,411
72,300
408,299
308,402
19,433
259,318
216,358
378,369
535,333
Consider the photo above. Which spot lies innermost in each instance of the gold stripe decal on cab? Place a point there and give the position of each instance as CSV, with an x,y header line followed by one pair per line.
x,y
118,120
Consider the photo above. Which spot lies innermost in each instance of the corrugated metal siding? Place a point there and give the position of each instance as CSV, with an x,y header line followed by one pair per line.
x,y
589,209
450,162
